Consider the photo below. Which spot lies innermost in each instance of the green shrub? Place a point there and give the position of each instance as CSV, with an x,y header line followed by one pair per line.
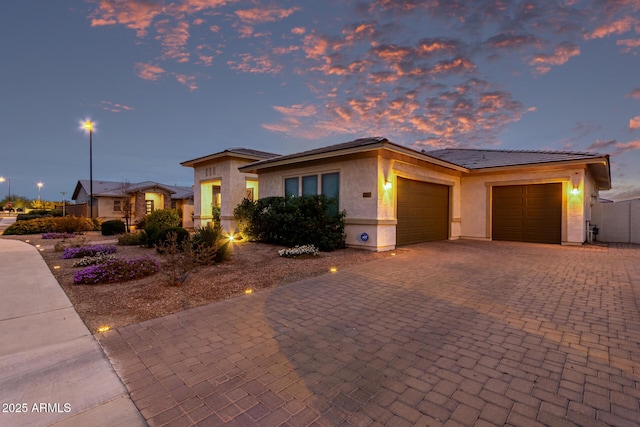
x,y
68,224
163,218
292,221
132,239
113,227
163,236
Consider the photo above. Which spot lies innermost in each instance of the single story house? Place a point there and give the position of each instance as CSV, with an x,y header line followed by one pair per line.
x,y
111,199
394,195
218,184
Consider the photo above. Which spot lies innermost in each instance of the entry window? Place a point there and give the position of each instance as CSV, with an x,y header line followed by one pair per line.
x,y
217,196
291,187
117,206
149,206
310,185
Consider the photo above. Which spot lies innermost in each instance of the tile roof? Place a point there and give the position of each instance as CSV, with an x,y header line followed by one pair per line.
x,y
480,159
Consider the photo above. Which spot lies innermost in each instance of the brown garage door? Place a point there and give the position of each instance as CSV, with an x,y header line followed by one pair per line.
x,y
528,213
422,211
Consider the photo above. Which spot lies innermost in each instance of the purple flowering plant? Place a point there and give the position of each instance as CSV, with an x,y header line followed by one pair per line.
x,y
117,270
92,250
48,236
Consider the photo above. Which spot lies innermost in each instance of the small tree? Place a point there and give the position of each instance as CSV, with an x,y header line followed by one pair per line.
x,y
127,206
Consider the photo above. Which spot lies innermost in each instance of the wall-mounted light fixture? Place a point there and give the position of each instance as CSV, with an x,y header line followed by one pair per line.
x,y
387,185
575,190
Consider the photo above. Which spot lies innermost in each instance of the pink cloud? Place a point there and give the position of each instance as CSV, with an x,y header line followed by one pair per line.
x,y
634,123
148,71
635,93
188,81
298,110
298,31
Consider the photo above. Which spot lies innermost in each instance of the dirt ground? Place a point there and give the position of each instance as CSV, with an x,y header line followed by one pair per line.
x,y
253,266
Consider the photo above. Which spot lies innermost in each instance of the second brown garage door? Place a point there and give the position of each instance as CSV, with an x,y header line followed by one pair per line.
x,y
422,212
527,213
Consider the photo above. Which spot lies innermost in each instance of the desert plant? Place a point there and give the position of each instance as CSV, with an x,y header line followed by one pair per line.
x,y
163,237
117,270
92,250
183,258
113,227
132,239
211,237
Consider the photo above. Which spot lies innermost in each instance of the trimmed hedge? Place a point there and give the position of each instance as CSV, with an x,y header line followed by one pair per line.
x,y
294,221
67,224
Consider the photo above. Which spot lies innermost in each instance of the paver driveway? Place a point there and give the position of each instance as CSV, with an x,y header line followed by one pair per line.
x,y
444,333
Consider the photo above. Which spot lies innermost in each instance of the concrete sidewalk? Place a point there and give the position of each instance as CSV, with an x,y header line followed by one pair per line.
x,y
52,370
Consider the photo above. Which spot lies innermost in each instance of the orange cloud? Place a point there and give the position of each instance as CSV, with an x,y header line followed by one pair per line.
x,y
634,123
298,31
132,14
174,39
114,107
563,52
256,64
634,93
629,44
148,71
297,110
618,26
267,14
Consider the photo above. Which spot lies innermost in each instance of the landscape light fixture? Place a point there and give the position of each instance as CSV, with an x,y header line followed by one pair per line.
x,y
88,125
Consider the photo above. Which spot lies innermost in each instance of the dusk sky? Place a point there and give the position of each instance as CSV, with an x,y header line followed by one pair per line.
x,y
168,81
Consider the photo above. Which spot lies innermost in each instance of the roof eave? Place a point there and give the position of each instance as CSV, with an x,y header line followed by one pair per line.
x,y
194,162
256,166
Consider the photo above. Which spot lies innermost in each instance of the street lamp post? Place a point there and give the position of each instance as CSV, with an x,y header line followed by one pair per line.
x,y
88,125
3,179
63,203
40,184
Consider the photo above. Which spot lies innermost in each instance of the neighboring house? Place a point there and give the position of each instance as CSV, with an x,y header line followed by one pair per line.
x,y
394,195
218,184
112,198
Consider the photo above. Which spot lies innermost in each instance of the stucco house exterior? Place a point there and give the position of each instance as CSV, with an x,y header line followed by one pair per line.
x,y
394,195
219,184
111,198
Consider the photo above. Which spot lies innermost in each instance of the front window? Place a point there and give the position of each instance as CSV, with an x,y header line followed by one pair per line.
x,y
149,206
331,189
291,187
117,205
310,185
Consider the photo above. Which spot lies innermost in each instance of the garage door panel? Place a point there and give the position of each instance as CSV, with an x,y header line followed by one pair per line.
x,y
422,212
530,213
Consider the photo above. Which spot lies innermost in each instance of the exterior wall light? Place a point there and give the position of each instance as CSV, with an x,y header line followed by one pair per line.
x,y
575,191
387,185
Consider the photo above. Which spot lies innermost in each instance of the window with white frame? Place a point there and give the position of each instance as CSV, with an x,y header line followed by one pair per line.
x,y
117,205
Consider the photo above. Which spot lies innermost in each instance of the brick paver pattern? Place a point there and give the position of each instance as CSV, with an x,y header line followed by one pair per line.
x,y
454,333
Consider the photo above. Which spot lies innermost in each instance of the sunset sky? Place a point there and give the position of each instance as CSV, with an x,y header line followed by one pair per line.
x,y
168,81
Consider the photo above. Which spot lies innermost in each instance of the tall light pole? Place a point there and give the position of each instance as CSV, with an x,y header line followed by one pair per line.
x,y
3,179
40,184
88,125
